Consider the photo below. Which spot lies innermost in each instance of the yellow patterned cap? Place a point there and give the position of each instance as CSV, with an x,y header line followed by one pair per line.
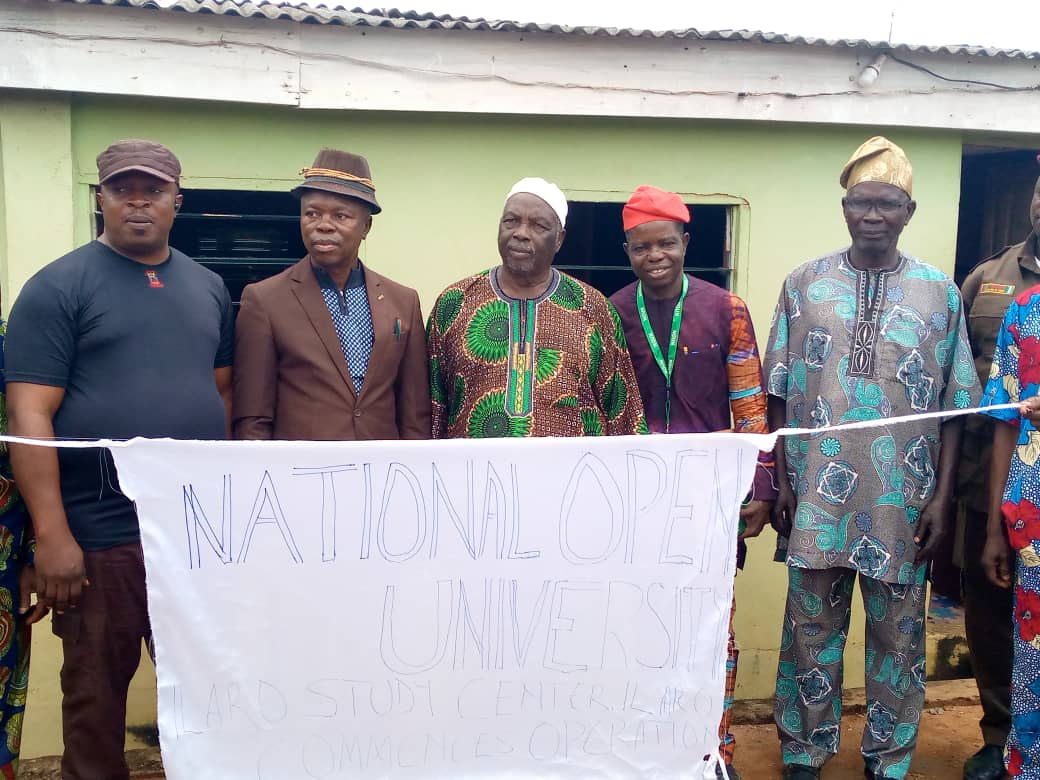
x,y
878,160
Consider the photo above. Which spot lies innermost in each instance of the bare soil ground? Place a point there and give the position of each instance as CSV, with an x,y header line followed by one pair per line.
x,y
949,735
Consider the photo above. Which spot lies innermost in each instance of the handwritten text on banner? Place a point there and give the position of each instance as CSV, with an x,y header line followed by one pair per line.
x,y
538,608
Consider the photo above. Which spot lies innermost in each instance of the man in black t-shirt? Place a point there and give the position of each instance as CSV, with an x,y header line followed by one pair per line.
x,y
122,337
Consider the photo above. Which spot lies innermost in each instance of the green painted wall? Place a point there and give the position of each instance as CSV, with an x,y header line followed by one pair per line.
x,y
441,180
35,181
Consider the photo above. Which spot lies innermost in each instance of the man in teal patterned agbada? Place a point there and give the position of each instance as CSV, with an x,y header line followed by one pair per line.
x,y
525,350
863,334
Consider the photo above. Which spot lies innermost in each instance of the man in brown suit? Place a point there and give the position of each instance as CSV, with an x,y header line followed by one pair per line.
x,y
329,349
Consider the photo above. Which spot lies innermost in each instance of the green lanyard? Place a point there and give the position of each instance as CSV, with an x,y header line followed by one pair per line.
x,y
655,348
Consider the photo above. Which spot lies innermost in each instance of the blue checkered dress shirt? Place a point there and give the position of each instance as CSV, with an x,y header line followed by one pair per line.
x,y
352,319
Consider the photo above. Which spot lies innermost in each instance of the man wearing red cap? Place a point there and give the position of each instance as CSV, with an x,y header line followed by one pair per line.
x,y
694,352
122,337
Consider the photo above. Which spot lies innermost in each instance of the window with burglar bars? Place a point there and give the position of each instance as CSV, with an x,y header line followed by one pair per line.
x,y
242,236
248,236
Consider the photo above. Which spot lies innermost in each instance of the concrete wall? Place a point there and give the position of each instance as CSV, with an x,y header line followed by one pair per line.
x,y
441,180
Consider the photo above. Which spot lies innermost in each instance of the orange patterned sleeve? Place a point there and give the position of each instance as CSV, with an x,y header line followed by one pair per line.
x,y
747,396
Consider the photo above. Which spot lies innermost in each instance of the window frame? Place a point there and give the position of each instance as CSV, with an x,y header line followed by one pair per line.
x,y
737,232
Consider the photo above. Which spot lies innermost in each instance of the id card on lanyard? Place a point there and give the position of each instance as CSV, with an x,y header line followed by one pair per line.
x,y
673,344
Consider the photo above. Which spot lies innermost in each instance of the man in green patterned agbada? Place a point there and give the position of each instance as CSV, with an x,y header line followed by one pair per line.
x,y
525,350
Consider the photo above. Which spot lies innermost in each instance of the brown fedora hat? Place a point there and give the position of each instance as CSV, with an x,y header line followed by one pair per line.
x,y
340,173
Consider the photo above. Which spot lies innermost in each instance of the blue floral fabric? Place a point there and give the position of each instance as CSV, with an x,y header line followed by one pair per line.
x,y
14,633
1015,376
809,679
845,346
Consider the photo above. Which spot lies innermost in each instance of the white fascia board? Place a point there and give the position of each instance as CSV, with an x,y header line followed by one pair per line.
x,y
204,57
120,51
544,74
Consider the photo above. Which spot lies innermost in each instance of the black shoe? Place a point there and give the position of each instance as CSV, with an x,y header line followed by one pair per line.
x,y
801,772
987,764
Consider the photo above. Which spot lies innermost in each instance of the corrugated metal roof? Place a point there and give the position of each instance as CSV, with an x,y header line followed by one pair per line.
x,y
393,18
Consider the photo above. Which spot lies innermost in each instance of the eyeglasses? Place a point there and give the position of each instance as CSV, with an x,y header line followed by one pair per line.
x,y
863,206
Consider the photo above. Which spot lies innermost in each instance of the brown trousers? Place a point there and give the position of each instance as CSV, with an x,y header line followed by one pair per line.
x,y
101,639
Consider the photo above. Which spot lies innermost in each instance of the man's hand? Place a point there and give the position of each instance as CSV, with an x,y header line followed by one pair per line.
x,y
29,612
996,558
755,515
931,527
784,509
60,572
1030,409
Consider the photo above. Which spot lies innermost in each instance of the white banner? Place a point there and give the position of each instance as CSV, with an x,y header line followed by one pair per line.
x,y
528,608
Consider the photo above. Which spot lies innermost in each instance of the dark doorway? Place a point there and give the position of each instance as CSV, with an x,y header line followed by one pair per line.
x,y
996,188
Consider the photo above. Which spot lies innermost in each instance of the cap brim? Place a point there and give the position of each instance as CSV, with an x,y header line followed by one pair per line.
x,y
336,188
140,169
